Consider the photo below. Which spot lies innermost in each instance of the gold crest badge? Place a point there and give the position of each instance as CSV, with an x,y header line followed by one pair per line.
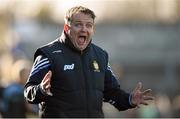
x,y
96,66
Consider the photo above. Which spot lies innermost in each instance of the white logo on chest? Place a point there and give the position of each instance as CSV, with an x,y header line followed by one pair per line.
x,y
68,67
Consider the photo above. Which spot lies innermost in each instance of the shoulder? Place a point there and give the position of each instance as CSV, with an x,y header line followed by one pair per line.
x,y
48,49
51,46
99,50
100,53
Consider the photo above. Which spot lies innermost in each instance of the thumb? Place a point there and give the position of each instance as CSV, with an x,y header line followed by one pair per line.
x,y
139,86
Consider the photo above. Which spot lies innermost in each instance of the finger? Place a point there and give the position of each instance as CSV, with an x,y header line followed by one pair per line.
x,y
147,91
139,86
46,82
148,98
48,86
47,76
143,103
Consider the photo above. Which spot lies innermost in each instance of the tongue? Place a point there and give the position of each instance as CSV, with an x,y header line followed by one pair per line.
x,y
81,40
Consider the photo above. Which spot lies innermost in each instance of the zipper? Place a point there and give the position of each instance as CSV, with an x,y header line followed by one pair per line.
x,y
85,84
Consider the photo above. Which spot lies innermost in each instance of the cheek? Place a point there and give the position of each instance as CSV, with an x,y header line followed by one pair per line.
x,y
92,31
73,33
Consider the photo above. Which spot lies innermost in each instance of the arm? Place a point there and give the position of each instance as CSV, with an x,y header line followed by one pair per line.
x,y
112,92
38,84
119,98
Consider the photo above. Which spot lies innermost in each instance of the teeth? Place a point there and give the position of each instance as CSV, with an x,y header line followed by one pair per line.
x,y
82,38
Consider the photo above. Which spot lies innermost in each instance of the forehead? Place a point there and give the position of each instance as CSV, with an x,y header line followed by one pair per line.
x,y
82,17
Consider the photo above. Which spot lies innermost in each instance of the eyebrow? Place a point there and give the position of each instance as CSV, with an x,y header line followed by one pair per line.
x,y
81,21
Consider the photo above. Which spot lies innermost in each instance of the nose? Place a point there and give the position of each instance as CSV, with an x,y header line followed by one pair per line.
x,y
84,28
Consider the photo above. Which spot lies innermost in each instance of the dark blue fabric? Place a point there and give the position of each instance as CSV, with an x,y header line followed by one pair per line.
x,y
13,101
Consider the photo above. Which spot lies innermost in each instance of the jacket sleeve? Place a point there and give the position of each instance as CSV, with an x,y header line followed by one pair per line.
x,y
33,93
112,92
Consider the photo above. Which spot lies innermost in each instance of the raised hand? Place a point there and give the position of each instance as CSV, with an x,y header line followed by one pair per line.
x,y
46,83
140,97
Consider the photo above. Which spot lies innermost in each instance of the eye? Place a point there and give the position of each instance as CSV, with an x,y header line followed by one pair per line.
x,y
78,24
89,25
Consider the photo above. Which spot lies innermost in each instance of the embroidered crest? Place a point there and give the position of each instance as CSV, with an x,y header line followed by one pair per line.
x,y
96,66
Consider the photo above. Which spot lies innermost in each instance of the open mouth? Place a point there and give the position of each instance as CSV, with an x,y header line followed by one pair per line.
x,y
82,39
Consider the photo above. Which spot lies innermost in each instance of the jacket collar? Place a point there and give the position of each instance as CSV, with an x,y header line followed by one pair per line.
x,y
65,40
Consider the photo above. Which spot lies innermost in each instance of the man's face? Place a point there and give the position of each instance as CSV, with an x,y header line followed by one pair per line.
x,y
81,30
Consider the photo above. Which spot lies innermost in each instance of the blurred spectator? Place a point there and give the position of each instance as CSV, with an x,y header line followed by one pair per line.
x,y
163,104
6,62
149,112
1,91
176,106
14,104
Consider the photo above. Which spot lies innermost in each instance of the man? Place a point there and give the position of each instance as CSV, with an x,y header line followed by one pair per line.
x,y
13,103
71,76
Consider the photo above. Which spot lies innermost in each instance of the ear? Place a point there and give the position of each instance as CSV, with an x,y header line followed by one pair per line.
x,y
66,28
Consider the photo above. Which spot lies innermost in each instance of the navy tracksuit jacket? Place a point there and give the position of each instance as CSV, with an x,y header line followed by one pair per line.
x,y
80,82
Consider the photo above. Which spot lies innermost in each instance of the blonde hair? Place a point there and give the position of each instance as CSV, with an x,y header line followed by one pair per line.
x,y
75,10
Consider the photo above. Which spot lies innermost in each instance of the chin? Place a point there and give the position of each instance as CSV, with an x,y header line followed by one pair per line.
x,y
81,48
